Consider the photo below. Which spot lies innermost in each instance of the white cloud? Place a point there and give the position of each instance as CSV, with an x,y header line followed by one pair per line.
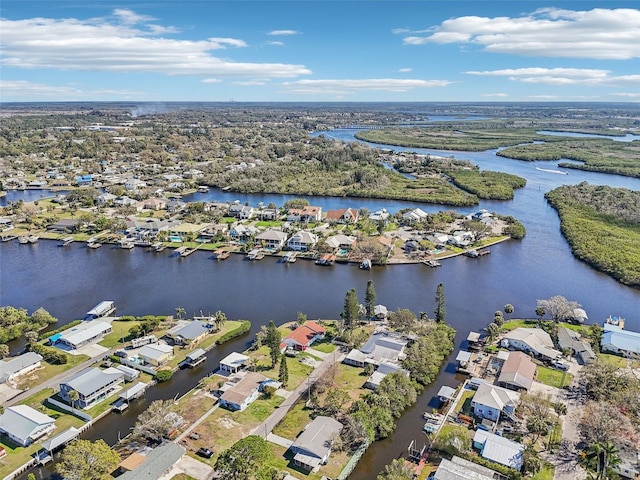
x,y
562,76
98,45
405,70
599,33
212,80
21,89
251,83
129,17
495,95
347,86
277,44
283,32
627,95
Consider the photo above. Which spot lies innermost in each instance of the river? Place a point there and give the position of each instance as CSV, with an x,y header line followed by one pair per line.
x,y
69,281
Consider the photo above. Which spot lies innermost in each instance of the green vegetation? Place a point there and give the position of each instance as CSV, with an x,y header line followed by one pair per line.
x,y
243,328
14,322
44,335
163,375
487,184
553,377
602,225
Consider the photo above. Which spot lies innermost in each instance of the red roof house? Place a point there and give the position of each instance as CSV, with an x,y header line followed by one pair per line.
x,y
303,336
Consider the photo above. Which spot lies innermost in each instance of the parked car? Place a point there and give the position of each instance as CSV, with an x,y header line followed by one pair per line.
x,y
560,365
121,354
204,452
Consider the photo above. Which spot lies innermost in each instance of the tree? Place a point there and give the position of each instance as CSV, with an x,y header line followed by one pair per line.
x,y
558,307
498,319
219,318
245,459
531,461
350,313
370,299
603,422
602,457
155,421
493,330
180,312
403,320
396,470
540,312
274,338
4,350
440,311
453,439
301,318
31,337
334,402
86,460
283,375
42,317
74,396
508,309
400,391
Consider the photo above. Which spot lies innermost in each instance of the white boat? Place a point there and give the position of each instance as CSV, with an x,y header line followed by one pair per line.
x,y
23,239
255,254
127,244
549,170
289,257
65,241
94,245
366,264
203,189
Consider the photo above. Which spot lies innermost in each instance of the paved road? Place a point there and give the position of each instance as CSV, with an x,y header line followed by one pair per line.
x,y
265,428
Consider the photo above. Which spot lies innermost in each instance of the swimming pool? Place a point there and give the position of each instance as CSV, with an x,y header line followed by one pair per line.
x,y
173,239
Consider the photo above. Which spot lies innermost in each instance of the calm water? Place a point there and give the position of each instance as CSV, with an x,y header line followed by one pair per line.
x,y
69,281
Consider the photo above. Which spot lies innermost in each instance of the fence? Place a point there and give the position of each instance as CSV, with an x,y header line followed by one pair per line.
x,y
353,461
67,408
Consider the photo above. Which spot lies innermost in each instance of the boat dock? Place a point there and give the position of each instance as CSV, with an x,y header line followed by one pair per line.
x,y
65,241
431,263
103,309
255,254
188,251
221,254
289,257
158,247
8,238
326,260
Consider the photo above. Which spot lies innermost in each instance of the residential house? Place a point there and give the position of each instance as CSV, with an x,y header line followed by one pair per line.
x,y
84,333
242,234
499,449
415,215
517,372
154,204
460,469
343,215
242,212
341,241
11,368
303,336
305,214
151,464
380,216
133,184
619,341
267,214
188,332
105,199
84,180
380,313
271,239
233,362
531,340
6,223
174,205
491,401
244,392
125,201
130,374
313,446
461,239
302,241
186,229
92,384
64,225
381,372
570,340
156,354
381,347
24,425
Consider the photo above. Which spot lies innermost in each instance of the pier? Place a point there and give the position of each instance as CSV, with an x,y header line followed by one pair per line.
x,y
188,251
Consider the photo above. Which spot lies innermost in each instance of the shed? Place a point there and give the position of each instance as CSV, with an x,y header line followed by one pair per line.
x,y
446,393
233,362
130,374
134,392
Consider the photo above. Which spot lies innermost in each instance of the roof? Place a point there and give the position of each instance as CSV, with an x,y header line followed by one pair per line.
x,y
473,337
447,392
21,421
271,234
383,346
620,339
157,462
14,365
127,370
382,371
101,308
460,469
85,331
518,370
92,379
316,439
305,333
234,359
463,356
499,449
155,351
340,239
244,388
338,214
495,397
133,461
537,339
197,353
64,437
190,331
133,391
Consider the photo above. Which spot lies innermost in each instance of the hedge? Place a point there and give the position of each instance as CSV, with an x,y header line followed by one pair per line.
x,y
244,327
163,375
49,354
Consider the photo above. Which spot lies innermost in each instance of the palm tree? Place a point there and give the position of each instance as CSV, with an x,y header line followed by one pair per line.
x,y
180,312
74,396
605,456
220,318
493,330
508,309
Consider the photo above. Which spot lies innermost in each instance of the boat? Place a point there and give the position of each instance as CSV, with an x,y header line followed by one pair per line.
x,y
126,244
289,257
221,254
158,247
94,245
203,189
65,241
432,263
549,170
366,264
483,251
326,260
23,239
255,254
33,238
617,321
103,309
471,253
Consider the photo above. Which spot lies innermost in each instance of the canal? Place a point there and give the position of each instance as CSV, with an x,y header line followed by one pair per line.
x,y
69,281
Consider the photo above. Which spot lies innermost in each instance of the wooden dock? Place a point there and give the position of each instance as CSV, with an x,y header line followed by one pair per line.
x,y
221,254
188,251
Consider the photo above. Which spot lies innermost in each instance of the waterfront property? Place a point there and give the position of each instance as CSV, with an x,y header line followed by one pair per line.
x,y
188,332
104,308
569,340
233,362
93,385
13,367
151,464
517,372
304,336
343,215
532,340
84,333
491,401
382,371
238,394
380,347
498,449
23,424
619,341
271,239
313,446
302,241
130,374
156,354
195,358
460,469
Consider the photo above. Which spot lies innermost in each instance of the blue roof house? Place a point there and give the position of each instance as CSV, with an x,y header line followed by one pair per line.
x,y
84,180
621,342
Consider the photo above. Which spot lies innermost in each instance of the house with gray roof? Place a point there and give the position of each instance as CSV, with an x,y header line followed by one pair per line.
x,y
531,340
156,354
313,446
619,341
24,425
156,462
189,332
491,401
302,241
460,469
381,372
380,347
16,366
570,340
499,449
93,385
83,334
272,239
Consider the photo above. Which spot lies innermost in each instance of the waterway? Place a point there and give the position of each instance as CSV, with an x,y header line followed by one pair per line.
x,y
69,281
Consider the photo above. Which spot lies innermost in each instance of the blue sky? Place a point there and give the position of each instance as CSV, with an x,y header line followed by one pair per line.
x,y
307,50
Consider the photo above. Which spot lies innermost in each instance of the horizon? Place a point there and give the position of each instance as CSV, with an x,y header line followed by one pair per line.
x,y
351,51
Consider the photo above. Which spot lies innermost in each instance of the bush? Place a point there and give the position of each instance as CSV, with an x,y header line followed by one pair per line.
x,y
163,375
49,354
244,327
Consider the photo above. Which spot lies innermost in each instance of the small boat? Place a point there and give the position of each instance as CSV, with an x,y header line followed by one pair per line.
x,y
23,239
549,170
366,264
432,263
158,247
483,251
126,244
471,253
94,245
65,241
289,257
203,189
617,321
221,254
255,254
326,260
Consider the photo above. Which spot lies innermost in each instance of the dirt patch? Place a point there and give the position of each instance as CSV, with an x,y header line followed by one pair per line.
x,y
227,423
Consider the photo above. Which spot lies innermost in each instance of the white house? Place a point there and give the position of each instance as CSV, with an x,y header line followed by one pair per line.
x,y
82,334
156,354
619,341
16,366
381,372
271,239
313,446
233,362
243,393
243,212
531,340
133,184
491,401
499,449
302,241
341,241
415,215
24,425
380,348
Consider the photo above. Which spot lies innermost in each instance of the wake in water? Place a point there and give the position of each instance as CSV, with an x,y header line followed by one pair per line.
x,y
549,170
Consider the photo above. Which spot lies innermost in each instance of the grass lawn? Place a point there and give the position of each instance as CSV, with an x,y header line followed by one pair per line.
x,y
36,377
292,424
547,472
324,346
182,476
615,360
120,332
271,223
553,377
195,404
284,460
464,405
517,323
